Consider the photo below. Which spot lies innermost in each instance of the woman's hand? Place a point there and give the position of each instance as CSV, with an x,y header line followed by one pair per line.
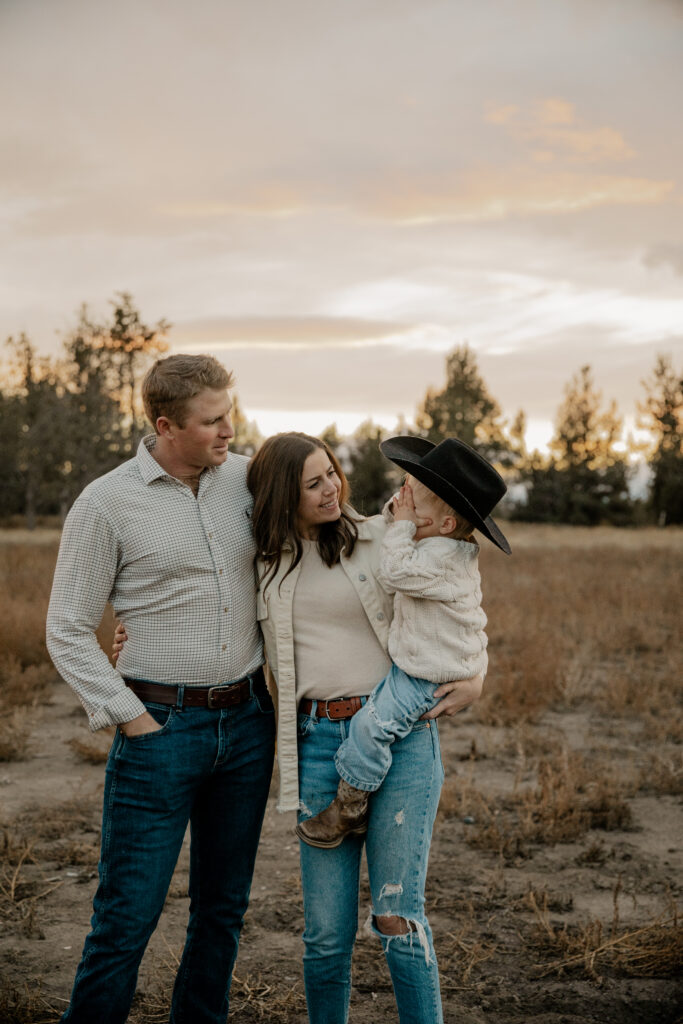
x,y
456,696
120,637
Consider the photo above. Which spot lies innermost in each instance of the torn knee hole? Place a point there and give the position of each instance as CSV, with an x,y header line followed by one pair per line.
x,y
389,924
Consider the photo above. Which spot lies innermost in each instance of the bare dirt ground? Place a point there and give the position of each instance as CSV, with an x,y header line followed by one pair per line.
x,y
558,852
493,915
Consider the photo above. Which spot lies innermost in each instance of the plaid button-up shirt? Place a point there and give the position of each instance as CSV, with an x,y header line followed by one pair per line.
x,y
179,572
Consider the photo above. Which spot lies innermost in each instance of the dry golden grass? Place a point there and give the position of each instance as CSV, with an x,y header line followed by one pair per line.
x,y
15,728
93,752
543,536
26,671
26,1005
25,581
597,625
571,796
252,997
653,950
464,950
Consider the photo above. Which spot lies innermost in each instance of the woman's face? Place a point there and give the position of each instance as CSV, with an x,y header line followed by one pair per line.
x,y
320,490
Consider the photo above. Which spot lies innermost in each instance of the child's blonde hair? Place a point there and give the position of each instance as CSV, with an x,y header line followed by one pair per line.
x,y
464,528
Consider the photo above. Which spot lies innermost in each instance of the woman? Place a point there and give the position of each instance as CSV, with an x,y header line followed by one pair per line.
x,y
325,621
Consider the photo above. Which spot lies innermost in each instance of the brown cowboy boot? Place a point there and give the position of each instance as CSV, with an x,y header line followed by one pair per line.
x,y
347,815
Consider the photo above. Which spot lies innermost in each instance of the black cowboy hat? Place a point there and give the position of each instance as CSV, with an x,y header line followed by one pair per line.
x,y
457,474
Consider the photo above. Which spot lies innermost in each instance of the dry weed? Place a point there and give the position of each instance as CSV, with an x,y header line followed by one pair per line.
x,y
26,572
15,731
25,1005
22,688
571,796
91,752
663,774
654,950
78,814
251,997
464,951
75,853
267,1001
21,886
460,798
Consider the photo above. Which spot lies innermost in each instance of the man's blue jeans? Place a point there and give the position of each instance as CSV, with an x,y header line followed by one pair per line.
x,y
391,711
399,833
211,768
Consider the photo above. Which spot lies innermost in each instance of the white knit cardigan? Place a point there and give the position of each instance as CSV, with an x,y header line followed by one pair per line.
x,y
437,632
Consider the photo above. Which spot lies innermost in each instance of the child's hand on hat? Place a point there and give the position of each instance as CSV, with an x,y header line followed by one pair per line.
x,y
404,508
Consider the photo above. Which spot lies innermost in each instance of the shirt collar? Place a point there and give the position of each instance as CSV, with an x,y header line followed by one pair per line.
x,y
150,469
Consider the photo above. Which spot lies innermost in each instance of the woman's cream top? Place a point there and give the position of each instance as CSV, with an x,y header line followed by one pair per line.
x,y
276,619
336,651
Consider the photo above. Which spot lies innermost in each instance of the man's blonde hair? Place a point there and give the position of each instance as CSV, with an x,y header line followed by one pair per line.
x,y
171,382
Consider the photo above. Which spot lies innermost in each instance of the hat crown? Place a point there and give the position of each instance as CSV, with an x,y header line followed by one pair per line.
x,y
461,467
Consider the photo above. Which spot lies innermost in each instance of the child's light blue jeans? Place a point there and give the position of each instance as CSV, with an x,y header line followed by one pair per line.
x,y
397,844
392,710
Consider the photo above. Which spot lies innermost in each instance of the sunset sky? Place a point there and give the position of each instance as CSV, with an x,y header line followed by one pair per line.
x,y
328,196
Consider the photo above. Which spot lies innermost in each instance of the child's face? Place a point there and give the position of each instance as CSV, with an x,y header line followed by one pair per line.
x,y
427,506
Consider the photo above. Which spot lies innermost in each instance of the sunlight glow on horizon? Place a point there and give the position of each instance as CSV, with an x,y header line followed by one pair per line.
x,y
314,421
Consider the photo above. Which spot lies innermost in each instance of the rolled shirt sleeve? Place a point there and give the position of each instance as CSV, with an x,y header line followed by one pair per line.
x,y
83,583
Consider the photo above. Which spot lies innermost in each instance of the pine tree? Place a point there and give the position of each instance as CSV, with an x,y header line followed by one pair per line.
x,y
463,408
131,344
372,477
662,412
584,480
248,438
34,421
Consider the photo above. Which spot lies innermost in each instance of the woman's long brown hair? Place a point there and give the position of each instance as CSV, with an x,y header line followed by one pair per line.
x,y
274,479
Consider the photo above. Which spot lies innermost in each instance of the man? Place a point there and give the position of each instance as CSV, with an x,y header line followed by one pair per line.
x,y
166,538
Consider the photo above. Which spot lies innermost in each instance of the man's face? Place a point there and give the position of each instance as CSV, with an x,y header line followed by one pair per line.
x,y
203,439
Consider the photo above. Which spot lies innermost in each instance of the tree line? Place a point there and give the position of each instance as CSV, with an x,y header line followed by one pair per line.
x,y
584,477
66,420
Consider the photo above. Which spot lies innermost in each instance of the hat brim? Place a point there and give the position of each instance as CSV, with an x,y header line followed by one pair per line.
x,y
408,452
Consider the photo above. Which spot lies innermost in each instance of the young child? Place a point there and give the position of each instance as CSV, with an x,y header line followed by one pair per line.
x,y
429,560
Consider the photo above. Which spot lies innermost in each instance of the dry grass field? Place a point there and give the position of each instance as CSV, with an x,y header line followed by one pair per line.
x,y
558,853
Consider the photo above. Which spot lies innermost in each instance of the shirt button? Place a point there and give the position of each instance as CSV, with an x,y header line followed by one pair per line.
x,y
224,647
210,536
380,616
220,572
362,577
225,610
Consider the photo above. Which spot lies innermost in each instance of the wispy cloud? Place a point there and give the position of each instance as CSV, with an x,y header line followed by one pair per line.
x,y
553,130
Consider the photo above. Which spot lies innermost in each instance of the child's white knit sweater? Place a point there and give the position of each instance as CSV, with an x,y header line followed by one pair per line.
x,y
438,628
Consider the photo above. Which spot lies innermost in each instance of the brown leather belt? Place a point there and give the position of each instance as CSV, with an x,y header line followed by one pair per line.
x,y
332,709
223,696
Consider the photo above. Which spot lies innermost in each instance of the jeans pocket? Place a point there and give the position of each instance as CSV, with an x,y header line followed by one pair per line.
x,y
163,715
304,725
264,702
